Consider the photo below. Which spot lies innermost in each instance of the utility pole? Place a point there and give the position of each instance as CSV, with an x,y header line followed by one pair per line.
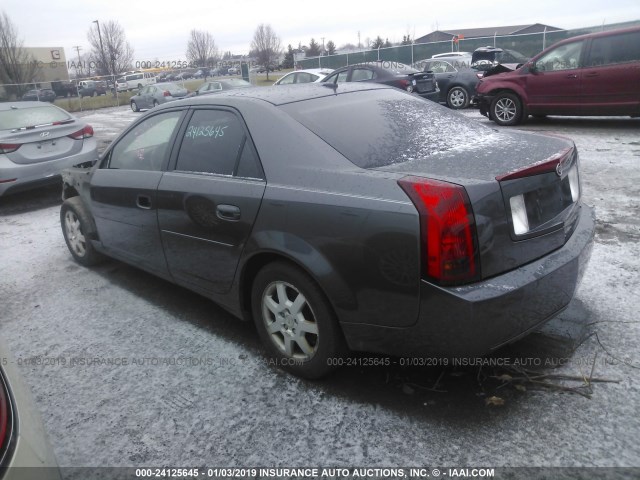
x,y
359,44
79,67
103,58
322,45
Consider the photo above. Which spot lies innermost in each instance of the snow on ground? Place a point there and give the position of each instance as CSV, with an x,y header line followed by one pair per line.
x,y
156,375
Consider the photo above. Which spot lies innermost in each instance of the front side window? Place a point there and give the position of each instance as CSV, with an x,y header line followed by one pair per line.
x,y
564,57
211,143
146,146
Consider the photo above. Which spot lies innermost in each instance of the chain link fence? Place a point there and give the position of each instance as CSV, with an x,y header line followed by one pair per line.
x,y
85,93
526,44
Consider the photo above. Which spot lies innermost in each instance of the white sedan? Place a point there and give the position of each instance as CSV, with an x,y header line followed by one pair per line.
x,y
304,76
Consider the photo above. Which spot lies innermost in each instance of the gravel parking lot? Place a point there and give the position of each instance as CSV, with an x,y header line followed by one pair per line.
x,y
130,370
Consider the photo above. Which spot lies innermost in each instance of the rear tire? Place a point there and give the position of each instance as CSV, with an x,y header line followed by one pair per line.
x,y
506,109
134,106
155,103
457,98
76,226
296,322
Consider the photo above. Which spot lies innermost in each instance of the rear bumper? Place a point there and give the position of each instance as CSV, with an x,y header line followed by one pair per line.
x,y
433,96
34,175
475,319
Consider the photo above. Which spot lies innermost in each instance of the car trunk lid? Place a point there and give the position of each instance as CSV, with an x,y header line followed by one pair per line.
x,y
423,82
44,143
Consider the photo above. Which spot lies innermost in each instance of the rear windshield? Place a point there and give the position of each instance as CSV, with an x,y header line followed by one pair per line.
x,y
31,117
384,127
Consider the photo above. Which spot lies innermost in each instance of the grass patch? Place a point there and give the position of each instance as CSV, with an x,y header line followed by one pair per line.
x,y
76,104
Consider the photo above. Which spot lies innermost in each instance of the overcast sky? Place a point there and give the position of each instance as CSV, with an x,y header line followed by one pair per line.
x,y
160,30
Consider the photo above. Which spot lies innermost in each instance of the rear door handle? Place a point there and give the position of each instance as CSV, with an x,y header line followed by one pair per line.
x,y
572,75
143,201
228,212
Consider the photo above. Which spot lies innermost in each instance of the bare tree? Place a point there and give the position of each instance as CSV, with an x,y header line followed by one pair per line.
x,y
16,64
202,49
266,44
110,49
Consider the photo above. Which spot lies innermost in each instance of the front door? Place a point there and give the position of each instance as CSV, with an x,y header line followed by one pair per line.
x,y
555,85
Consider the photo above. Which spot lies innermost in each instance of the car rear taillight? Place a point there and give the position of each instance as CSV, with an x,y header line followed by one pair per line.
x,y
166,93
86,132
448,235
9,147
4,417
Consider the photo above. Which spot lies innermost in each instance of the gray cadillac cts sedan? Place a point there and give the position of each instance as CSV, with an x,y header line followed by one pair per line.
x,y
348,216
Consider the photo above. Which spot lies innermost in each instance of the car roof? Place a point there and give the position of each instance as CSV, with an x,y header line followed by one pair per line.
x,y
283,94
599,34
312,70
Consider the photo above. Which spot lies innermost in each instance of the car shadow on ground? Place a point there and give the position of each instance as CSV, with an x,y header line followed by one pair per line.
x,y
462,393
31,200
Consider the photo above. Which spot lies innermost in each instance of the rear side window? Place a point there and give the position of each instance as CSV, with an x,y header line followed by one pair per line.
x,y
32,116
305,77
211,143
362,74
614,49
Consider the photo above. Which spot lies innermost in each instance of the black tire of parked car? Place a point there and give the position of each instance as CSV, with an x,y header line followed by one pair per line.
x,y
134,106
328,344
76,228
457,98
155,103
506,109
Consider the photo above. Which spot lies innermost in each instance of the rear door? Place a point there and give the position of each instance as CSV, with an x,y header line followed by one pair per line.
x,y
145,97
124,191
554,87
209,199
611,78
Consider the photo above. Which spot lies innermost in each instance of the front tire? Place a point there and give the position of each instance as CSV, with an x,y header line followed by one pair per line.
x,y
506,109
296,322
134,106
155,103
76,225
457,98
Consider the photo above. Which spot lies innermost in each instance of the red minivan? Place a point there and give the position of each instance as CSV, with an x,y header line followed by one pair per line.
x,y
594,74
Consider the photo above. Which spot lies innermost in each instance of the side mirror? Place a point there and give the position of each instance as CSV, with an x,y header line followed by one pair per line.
x,y
533,68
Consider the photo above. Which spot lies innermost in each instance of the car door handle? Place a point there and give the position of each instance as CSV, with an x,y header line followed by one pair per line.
x,y
591,74
572,75
228,212
143,201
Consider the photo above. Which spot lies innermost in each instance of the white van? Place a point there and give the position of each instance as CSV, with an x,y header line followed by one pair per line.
x,y
135,80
